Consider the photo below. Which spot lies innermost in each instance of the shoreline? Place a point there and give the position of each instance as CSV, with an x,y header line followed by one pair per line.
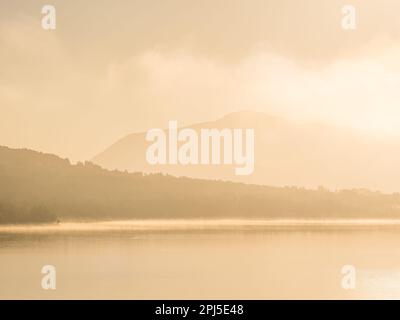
x,y
201,225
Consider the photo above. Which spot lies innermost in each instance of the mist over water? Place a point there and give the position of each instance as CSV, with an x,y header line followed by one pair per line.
x,y
146,154
221,259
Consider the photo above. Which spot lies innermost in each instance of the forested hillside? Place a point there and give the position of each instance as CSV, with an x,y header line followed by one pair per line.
x,y
37,187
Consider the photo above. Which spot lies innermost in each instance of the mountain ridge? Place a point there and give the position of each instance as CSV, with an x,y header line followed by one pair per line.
x,y
286,153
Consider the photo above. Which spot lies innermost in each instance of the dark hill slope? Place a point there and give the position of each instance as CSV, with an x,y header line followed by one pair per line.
x,y
33,180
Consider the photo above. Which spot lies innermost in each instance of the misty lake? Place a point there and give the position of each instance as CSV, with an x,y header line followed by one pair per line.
x,y
179,259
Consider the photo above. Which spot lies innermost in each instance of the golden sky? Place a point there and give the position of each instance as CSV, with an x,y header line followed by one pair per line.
x,y
116,67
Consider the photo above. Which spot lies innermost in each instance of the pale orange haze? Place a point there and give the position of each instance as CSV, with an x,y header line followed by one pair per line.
x,y
112,68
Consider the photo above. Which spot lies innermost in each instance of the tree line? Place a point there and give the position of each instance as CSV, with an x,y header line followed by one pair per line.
x,y
37,187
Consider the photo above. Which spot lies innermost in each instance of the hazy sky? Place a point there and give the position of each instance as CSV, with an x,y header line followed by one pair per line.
x,y
116,67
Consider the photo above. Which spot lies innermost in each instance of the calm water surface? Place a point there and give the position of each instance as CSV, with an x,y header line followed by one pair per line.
x,y
201,260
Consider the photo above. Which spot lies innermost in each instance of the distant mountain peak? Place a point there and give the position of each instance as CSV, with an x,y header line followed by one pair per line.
x,y
286,153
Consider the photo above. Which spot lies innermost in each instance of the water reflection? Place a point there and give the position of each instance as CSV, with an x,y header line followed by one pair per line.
x,y
201,260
